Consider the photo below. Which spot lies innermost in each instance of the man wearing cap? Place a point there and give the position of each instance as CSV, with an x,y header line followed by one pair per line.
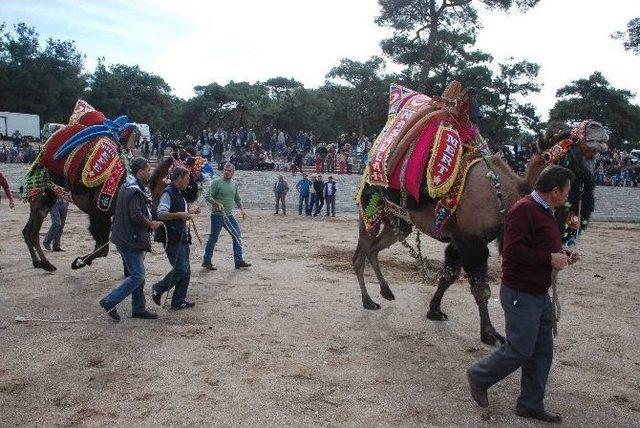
x,y
131,233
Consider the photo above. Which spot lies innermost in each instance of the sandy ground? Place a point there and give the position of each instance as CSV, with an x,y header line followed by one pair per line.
x,y
287,342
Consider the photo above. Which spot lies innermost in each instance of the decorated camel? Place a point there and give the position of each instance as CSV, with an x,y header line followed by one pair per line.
x,y
85,163
430,169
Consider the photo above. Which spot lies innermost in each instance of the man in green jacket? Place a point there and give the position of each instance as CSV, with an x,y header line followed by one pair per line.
x,y
223,196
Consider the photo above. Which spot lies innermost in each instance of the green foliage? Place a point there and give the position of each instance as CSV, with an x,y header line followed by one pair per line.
x,y
631,37
595,98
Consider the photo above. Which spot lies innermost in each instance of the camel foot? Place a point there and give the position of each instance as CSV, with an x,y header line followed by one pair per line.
x,y
387,293
492,337
437,316
370,304
47,266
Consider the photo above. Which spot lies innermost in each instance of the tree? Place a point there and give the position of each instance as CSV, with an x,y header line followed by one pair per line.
x,y
510,115
124,89
417,26
279,86
631,37
364,100
594,98
45,81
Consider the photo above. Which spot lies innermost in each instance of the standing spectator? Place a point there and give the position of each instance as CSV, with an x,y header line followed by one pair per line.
x,y
7,191
280,190
330,196
531,250
173,211
303,187
318,187
131,234
206,151
223,195
58,215
297,162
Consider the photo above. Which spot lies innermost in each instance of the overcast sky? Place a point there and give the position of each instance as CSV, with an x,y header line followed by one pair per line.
x,y
198,42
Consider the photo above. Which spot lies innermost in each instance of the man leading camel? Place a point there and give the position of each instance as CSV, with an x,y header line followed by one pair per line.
x,y
532,248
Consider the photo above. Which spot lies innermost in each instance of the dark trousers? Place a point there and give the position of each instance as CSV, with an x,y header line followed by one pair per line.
x,y
303,199
317,204
179,276
331,204
280,199
528,324
58,214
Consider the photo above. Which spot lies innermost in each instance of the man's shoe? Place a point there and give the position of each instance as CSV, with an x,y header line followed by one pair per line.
x,y
46,246
183,305
478,393
111,310
208,266
242,264
59,250
156,296
147,315
545,416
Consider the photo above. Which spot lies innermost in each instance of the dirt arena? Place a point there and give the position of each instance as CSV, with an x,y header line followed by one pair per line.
x,y
287,342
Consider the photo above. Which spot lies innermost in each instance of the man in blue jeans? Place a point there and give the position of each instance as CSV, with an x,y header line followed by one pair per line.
x,y
174,213
131,233
304,189
531,250
223,196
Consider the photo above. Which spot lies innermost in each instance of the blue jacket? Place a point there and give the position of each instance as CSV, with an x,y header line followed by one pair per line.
x,y
303,186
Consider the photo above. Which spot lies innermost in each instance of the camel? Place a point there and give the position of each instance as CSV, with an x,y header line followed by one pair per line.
x,y
478,219
100,221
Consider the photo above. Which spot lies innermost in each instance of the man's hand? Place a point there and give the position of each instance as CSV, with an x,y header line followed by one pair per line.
x,y
12,204
559,260
243,214
195,210
574,257
218,206
153,225
185,216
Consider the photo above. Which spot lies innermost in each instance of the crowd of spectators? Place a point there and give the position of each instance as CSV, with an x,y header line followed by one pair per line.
x,y
19,150
617,168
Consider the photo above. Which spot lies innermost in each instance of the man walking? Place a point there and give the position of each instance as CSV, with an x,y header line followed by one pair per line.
x,y
173,212
223,195
531,250
330,196
280,190
318,188
58,215
131,233
303,187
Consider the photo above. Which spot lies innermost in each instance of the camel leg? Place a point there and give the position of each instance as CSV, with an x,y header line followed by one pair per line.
x,y
450,274
358,261
387,238
38,212
474,254
100,228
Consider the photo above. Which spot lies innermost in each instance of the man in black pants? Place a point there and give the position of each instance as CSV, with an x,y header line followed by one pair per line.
x,y
532,248
318,188
173,212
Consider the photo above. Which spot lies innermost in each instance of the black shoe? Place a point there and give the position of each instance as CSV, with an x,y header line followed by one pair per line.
x,y
156,296
208,266
183,305
111,310
478,393
46,246
545,416
147,315
59,250
243,264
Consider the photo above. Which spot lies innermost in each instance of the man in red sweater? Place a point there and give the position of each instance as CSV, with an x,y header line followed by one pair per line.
x,y
532,248
7,191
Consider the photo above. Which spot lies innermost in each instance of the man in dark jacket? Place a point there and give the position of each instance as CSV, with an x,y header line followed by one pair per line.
x,y
174,212
330,196
131,233
304,188
531,250
318,190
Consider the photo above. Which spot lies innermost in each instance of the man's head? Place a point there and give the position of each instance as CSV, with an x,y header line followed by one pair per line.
x,y
304,175
141,169
330,178
319,177
228,171
554,183
180,177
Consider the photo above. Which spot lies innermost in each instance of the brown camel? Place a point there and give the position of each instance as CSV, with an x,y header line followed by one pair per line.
x,y
99,221
478,221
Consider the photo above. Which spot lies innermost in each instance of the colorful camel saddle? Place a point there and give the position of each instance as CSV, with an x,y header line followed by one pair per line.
x,y
87,152
424,151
